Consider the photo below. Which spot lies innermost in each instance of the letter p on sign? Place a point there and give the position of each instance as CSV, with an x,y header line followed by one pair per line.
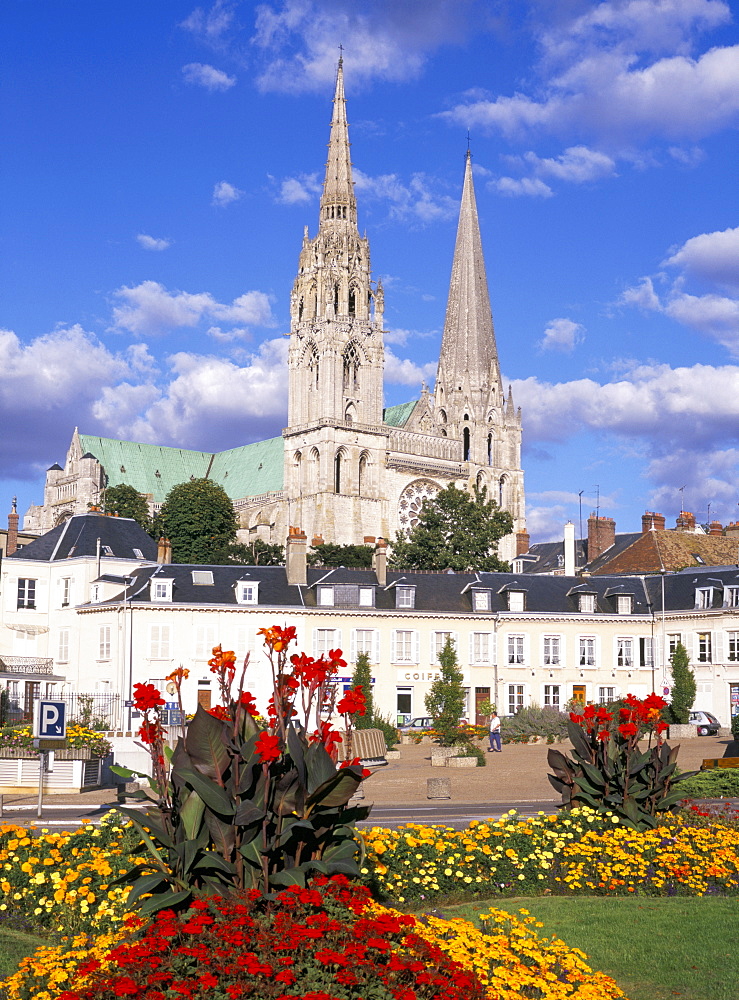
x,y
50,719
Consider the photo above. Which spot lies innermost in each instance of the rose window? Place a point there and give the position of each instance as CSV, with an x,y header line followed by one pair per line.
x,y
411,501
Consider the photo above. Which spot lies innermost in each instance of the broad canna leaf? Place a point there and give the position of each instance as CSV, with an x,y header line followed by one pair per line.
x,y
336,791
319,766
287,794
594,776
247,814
205,744
222,834
211,793
168,901
191,814
579,740
560,786
295,749
288,877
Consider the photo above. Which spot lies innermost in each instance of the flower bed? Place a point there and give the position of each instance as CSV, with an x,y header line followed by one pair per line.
x,y
19,738
326,942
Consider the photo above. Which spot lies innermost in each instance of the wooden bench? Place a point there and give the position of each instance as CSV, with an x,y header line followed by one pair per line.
x,y
712,762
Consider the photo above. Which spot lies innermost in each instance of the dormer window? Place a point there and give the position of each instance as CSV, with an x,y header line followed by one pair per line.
x,y
703,598
586,603
107,551
247,592
326,596
516,600
405,597
202,578
624,604
95,591
347,595
160,589
481,600
731,597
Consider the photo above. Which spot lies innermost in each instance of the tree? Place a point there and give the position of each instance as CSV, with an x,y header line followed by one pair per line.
x,y
456,530
362,677
199,520
683,686
354,556
125,501
256,553
446,699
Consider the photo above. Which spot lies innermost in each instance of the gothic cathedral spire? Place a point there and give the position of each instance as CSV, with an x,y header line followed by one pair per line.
x,y
338,203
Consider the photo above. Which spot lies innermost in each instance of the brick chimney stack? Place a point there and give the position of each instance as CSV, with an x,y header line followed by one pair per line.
x,y
379,561
732,529
601,535
164,551
715,528
296,558
685,521
12,543
652,521
523,542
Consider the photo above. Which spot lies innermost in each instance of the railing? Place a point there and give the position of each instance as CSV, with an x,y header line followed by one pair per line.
x,y
26,665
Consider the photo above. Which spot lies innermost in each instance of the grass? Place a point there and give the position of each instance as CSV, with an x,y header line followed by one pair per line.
x,y
15,945
655,948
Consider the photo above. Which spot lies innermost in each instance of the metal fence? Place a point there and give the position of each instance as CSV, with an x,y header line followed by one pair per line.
x,y
97,710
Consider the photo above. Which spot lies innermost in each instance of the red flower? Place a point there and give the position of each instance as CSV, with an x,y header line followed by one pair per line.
x,y
146,696
150,732
247,700
353,703
628,729
278,639
356,763
268,747
219,712
604,735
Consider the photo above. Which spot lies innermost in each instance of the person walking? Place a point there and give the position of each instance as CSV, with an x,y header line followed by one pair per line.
x,y
495,741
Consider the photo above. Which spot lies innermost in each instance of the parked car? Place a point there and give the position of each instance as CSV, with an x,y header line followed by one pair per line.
x,y
416,725
708,725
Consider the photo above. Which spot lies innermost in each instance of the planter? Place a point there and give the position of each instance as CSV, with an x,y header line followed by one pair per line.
x,y
461,761
392,755
444,752
682,732
20,774
21,753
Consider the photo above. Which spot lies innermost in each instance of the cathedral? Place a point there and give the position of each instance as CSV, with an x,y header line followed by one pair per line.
x,y
345,469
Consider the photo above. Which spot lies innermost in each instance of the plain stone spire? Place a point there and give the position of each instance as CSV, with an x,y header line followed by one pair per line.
x,y
468,352
337,200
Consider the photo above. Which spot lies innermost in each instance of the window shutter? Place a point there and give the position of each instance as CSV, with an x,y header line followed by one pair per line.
x,y
337,640
376,646
416,645
164,641
687,641
353,650
717,642
315,643
472,648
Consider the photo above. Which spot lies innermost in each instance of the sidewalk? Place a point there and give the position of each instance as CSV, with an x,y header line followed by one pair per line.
x,y
519,773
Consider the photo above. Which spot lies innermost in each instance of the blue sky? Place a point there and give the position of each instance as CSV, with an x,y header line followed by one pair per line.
x,y
160,161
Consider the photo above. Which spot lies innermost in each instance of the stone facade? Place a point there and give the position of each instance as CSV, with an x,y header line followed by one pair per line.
x,y
350,469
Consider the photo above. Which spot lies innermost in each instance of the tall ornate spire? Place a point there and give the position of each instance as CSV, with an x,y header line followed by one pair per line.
x,y
338,203
468,353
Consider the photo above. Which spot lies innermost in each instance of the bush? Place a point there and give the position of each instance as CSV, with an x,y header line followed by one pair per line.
x,y
735,726
714,784
389,730
547,722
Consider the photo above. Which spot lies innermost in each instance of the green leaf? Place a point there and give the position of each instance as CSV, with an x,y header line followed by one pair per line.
x,y
222,834
582,782
146,884
287,794
210,792
146,824
168,901
191,814
560,786
336,791
247,814
212,861
205,744
557,760
251,853
295,749
595,777
579,740
287,877
126,772
319,766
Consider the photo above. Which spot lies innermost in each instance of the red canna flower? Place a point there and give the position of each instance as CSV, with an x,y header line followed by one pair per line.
x,y
268,747
628,729
353,703
247,700
146,696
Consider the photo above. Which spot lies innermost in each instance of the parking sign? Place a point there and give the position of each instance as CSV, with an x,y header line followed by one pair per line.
x,y
50,720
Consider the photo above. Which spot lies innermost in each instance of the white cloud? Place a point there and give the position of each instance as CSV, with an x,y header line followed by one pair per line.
x,y
203,75
296,190
711,256
228,336
298,40
149,308
402,371
561,335
225,193
211,26
152,243
415,200
578,165
643,296
527,186
714,315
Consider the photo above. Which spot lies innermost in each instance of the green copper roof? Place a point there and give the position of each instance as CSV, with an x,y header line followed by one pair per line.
x,y
397,416
243,472
251,469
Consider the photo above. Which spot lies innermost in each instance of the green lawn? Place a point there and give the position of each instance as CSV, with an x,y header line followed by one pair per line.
x,y
655,949
15,945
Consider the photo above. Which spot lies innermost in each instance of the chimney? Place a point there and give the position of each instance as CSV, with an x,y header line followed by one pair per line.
x,y
685,521
732,529
523,542
569,549
12,543
715,528
601,535
164,551
316,540
652,521
295,558
379,561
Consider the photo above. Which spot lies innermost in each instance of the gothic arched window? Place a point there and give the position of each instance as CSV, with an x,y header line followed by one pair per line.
x,y
362,475
337,473
351,370
490,449
466,444
352,301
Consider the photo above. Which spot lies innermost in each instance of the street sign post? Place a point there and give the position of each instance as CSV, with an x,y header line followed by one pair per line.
x,y
49,727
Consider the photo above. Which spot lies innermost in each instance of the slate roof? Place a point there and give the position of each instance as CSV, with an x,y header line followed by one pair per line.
x,y
79,534
680,587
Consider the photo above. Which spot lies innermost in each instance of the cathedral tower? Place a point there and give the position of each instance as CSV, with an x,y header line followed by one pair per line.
x,y
335,437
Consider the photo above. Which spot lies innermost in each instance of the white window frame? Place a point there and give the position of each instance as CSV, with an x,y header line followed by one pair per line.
x,y
731,597
366,597
603,694
95,589
247,592
104,643
704,646
587,604
160,589
516,600
159,642
703,598
624,604
27,593
325,596
66,591
732,646
625,652
481,648
584,642
552,695
553,656
481,600
202,578
646,651
325,639
674,639
405,645
515,697
437,644
205,641
516,649
405,691
371,637
405,596
63,646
